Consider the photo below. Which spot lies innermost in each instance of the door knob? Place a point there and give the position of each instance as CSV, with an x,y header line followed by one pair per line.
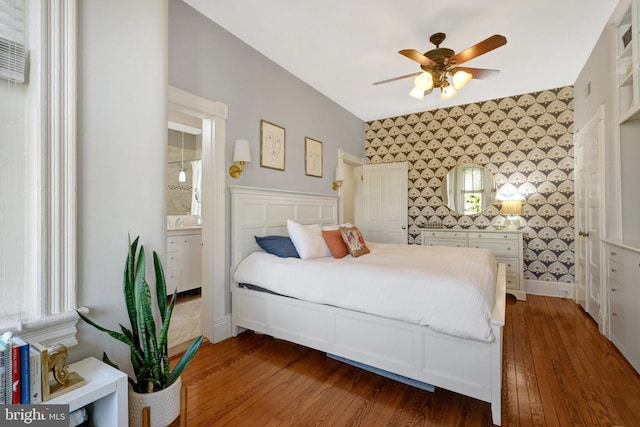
x,y
404,227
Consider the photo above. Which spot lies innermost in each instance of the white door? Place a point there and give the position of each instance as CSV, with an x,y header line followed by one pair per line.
x,y
580,221
589,217
381,196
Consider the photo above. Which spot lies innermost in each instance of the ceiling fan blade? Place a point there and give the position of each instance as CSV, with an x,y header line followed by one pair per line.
x,y
478,49
478,73
416,56
395,78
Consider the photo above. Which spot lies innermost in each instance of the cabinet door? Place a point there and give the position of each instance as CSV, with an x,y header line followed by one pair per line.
x,y
191,249
632,307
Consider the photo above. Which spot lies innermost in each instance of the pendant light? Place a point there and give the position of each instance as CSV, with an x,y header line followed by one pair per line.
x,y
182,175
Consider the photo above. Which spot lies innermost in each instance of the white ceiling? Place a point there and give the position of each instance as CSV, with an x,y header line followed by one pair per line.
x,y
340,47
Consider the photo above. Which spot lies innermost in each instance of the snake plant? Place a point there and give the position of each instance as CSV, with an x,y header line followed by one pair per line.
x,y
149,355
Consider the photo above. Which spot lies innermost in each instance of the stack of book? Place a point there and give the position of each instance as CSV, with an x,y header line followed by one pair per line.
x,y
20,370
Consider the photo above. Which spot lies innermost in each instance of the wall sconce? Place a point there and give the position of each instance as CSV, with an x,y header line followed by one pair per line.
x,y
512,208
241,155
339,177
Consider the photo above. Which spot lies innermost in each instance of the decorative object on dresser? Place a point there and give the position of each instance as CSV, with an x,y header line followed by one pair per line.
x,y
148,344
511,208
506,245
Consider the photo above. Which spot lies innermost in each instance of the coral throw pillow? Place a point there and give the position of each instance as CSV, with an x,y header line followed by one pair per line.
x,y
336,244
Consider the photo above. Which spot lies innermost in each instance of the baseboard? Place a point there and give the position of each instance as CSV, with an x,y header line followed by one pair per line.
x,y
549,289
222,328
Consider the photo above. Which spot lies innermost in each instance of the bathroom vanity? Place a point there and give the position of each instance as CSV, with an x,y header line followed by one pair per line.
x,y
184,258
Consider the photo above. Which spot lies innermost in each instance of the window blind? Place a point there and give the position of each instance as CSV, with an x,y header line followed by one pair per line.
x,y
12,40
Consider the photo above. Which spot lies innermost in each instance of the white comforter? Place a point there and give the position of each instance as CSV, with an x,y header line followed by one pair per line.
x,y
451,290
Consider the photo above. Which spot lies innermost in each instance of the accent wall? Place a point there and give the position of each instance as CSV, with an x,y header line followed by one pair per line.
x,y
526,141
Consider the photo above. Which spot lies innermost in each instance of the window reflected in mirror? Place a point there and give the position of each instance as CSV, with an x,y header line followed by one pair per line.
x,y
468,189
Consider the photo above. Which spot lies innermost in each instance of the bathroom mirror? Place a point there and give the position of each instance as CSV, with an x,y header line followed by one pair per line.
x,y
468,189
184,153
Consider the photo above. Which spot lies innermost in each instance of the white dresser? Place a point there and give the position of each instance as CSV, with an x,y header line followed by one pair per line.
x,y
506,245
623,292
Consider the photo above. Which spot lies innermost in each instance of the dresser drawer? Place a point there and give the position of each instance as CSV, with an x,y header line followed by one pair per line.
x,y
497,247
172,278
450,242
429,234
513,282
615,255
174,261
173,244
616,293
615,271
511,263
618,323
496,236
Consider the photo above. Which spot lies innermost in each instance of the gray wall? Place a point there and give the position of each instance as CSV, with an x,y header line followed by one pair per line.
x,y
206,60
596,73
122,154
123,133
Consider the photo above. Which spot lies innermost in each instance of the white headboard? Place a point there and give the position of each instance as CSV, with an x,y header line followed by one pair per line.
x,y
264,212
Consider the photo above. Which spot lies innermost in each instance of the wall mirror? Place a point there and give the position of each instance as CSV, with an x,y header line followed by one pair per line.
x,y
468,189
184,169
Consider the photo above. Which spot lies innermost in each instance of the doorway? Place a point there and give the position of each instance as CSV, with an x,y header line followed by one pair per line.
x,y
212,116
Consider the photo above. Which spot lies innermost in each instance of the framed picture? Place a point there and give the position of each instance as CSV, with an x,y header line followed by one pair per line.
x,y
313,157
272,139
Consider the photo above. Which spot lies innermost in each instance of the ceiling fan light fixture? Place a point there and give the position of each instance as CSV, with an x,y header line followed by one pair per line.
x,y
417,93
447,91
460,79
424,81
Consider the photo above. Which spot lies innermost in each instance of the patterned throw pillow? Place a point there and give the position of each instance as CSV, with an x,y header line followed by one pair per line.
x,y
354,241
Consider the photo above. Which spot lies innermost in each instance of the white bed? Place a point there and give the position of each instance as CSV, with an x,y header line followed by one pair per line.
x,y
472,367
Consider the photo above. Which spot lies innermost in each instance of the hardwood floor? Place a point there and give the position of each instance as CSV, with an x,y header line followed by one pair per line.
x,y
558,371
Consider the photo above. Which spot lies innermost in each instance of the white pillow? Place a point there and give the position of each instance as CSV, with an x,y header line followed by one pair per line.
x,y
308,240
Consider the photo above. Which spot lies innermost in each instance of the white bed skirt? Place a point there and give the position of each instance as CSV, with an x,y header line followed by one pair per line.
x,y
470,367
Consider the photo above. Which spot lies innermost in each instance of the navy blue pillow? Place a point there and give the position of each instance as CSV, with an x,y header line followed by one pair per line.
x,y
281,246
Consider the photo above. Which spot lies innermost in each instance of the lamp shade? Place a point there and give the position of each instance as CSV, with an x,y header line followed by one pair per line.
x,y
424,81
339,174
241,151
511,207
417,93
447,92
460,79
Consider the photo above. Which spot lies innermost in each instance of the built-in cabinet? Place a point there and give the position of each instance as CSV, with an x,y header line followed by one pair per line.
x,y
506,245
611,77
184,259
626,62
623,289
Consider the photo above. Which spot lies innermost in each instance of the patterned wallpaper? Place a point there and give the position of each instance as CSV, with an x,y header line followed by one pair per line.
x,y
526,141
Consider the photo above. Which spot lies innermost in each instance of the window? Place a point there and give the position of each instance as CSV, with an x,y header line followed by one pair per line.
x,y
37,189
472,190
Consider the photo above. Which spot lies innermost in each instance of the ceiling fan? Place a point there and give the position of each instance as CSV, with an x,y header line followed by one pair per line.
x,y
441,63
